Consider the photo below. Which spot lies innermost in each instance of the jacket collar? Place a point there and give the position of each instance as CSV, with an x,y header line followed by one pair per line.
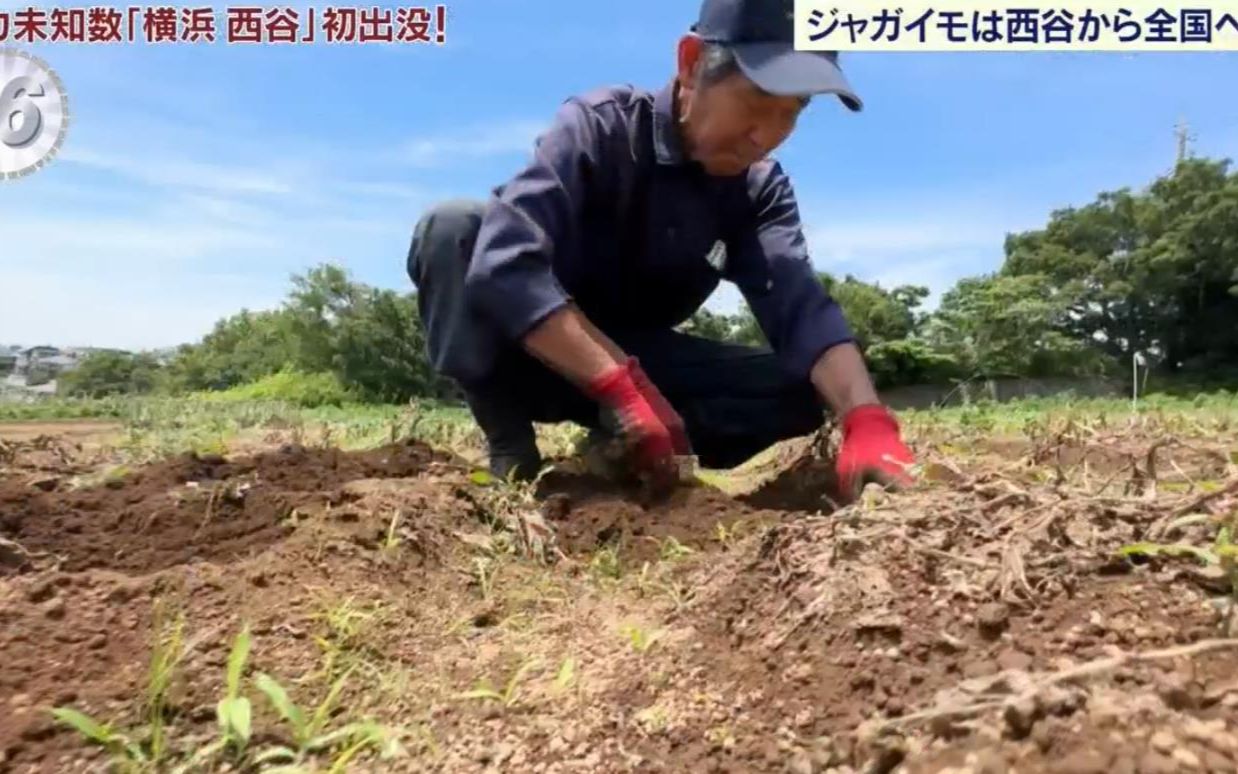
x,y
667,144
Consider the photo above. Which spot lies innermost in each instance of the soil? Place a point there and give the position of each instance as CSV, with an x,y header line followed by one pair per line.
x,y
65,429
982,622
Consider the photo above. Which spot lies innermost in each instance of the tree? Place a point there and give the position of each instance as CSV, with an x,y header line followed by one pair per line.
x,y
746,330
379,349
1006,326
910,361
110,372
876,314
709,325
371,340
321,301
240,349
1148,271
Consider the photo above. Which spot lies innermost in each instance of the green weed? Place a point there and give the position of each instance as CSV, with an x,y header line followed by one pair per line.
x,y
510,694
147,746
126,754
309,732
672,550
233,713
640,638
484,570
345,644
1222,553
566,675
604,565
392,541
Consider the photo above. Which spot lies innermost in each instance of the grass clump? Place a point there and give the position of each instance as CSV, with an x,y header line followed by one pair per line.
x,y
308,733
144,748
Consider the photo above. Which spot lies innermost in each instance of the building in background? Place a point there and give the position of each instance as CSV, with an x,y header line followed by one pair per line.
x,y
36,368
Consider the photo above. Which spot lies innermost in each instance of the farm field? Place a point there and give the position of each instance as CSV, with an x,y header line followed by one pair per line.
x,y
204,586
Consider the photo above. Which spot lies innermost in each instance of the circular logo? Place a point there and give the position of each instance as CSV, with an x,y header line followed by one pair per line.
x,y
34,113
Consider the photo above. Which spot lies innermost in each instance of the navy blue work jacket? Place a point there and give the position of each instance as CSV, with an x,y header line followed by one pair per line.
x,y
611,214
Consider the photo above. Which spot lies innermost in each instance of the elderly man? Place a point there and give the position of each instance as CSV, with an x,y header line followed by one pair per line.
x,y
556,299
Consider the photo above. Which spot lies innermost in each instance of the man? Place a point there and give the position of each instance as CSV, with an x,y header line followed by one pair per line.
x,y
556,299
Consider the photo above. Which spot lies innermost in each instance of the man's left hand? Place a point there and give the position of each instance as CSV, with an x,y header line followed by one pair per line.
x,y
872,451
662,407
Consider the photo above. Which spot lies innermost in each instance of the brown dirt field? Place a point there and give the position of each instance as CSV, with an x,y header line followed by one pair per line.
x,y
982,622
77,430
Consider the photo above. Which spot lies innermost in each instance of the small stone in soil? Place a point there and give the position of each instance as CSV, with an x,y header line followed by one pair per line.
x,y
1174,690
1155,763
1215,761
55,610
800,764
1020,716
1162,741
1014,659
1123,765
992,619
980,669
1083,762
1042,735
39,730
1187,758
42,591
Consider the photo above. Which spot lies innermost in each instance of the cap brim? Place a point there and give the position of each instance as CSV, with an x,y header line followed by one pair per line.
x,y
781,69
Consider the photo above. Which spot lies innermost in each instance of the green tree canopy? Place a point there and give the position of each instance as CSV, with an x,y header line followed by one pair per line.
x,y
110,372
1151,271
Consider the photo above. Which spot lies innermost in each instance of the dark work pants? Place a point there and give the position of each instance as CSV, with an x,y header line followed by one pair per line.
x,y
735,400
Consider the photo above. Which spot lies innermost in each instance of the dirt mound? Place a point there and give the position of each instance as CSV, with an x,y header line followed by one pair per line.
x,y
43,460
808,484
897,623
248,538
188,508
984,622
590,514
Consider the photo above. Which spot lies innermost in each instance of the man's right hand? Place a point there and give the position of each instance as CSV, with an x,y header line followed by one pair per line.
x,y
638,423
662,407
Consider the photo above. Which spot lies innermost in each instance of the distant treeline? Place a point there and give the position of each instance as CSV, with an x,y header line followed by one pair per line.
x,y
1153,272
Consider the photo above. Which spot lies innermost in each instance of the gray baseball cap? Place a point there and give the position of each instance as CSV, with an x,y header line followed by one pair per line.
x,y
762,35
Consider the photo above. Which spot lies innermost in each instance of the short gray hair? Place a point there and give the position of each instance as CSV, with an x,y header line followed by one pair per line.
x,y
717,63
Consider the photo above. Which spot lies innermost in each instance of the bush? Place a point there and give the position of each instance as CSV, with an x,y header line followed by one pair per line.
x,y
110,372
292,387
910,361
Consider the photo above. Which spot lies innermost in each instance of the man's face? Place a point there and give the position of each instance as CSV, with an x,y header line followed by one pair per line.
x,y
733,123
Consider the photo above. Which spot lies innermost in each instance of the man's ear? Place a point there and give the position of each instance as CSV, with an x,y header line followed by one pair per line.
x,y
688,54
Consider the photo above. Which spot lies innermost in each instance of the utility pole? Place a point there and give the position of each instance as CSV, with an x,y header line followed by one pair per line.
x,y
1183,132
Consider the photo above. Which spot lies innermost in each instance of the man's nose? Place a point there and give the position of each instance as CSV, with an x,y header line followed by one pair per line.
x,y
763,137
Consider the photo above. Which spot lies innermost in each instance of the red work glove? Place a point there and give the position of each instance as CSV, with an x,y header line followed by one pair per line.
x,y
638,423
662,407
872,450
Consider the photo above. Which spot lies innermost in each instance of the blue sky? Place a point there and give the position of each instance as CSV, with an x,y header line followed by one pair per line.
x,y
195,179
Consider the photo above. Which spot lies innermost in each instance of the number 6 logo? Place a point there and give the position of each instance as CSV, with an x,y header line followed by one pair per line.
x,y
22,119
33,113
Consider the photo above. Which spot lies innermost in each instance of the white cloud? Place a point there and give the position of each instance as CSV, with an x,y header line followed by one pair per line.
x,y
498,139
123,310
852,242
182,172
130,242
931,239
144,252
386,189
